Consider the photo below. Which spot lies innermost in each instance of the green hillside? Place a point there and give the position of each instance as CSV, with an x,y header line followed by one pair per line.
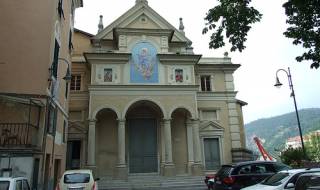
x,y
275,130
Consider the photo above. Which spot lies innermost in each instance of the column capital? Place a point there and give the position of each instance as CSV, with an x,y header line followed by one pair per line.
x,y
121,120
166,119
194,119
189,121
195,122
92,121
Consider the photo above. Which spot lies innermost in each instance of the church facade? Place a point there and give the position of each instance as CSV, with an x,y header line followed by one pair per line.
x,y
142,102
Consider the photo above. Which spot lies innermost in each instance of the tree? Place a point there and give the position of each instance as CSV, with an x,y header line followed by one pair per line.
x,y
313,147
236,17
304,20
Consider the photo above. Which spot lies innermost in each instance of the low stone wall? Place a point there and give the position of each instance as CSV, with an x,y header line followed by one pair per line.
x,y
241,154
310,164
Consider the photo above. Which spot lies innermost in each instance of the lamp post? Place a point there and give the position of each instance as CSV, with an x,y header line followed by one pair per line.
x,y
279,84
67,78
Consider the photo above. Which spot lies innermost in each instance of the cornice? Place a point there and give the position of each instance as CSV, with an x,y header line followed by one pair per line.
x,y
216,67
144,88
114,58
186,59
79,95
242,103
82,32
143,31
218,96
78,59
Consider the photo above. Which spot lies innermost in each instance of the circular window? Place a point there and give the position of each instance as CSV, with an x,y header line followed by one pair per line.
x,y
143,19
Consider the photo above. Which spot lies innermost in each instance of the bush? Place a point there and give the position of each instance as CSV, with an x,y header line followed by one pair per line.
x,y
292,157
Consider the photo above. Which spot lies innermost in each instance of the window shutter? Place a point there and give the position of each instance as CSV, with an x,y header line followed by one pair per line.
x,y
60,9
70,40
55,59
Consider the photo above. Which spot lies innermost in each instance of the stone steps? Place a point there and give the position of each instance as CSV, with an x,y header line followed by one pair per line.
x,y
144,182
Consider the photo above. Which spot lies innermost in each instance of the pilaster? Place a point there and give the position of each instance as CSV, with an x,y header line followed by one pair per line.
x,y
234,125
197,167
190,146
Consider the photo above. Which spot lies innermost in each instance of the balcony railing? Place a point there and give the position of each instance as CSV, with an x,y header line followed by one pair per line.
x,y
18,134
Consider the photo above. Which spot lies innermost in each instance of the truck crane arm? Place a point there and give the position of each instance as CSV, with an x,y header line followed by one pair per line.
x,y
263,152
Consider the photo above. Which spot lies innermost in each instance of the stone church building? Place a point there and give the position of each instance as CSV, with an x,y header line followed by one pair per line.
x,y
143,102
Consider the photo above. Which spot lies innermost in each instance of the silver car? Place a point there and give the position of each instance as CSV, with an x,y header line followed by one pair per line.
x,y
283,180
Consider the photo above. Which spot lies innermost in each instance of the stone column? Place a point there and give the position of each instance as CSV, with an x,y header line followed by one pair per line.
x,y
91,162
190,145
163,152
91,159
197,168
169,168
121,169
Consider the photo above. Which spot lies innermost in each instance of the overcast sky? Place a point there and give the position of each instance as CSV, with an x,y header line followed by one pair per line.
x,y
267,51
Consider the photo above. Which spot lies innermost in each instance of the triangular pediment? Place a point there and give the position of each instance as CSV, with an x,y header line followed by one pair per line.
x,y
211,126
140,16
143,21
77,128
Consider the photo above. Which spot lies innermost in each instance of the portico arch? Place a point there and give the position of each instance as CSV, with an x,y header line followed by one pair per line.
x,y
183,107
144,99
143,121
99,108
106,137
179,130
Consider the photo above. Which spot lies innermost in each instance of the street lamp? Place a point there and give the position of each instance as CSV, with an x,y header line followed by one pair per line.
x,y
68,76
279,84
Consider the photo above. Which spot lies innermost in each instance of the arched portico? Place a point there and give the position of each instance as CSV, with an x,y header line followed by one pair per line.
x,y
143,119
186,148
147,139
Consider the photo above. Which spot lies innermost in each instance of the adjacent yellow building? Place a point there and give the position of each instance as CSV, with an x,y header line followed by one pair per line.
x,y
35,63
142,102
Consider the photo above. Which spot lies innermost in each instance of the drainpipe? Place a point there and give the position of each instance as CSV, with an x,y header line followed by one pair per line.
x,y
44,143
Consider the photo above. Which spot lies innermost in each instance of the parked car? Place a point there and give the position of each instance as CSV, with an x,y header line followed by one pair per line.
x,y
77,180
244,174
308,181
14,183
283,180
209,181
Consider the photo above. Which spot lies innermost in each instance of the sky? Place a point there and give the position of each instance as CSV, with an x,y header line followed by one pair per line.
x,y
267,51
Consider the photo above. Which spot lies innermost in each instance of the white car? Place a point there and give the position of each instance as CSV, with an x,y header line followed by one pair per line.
x,y
283,180
309,181
14,183
77,180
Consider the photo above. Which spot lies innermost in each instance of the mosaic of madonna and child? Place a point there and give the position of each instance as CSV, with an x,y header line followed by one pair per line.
x,y
144,64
